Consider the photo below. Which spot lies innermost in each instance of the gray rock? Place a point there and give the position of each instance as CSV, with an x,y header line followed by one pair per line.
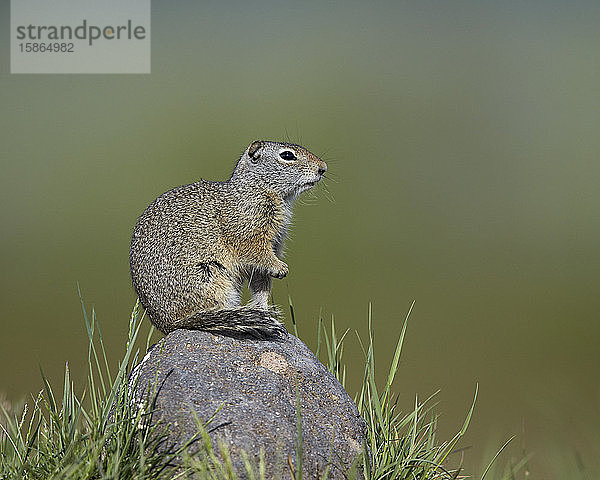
x,y
255,381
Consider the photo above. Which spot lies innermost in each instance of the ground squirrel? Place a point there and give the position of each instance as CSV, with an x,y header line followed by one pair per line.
x,y
194,246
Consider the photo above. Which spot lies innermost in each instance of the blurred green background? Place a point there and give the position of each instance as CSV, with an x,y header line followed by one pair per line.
x,y
462,140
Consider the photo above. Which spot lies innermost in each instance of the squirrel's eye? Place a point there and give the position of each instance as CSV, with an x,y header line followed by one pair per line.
x,y
287,155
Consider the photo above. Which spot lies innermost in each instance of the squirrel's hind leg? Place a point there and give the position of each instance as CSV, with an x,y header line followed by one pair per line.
x,y
260,287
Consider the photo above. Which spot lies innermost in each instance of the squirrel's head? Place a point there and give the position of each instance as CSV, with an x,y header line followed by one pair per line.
x,y
287,168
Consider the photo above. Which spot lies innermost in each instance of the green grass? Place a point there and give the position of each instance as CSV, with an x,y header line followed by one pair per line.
x,y
97,434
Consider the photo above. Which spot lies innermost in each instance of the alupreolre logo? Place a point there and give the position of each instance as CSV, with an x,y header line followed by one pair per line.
x,y
85,31
80,36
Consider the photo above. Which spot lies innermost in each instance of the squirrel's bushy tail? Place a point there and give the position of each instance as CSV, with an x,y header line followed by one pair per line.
x,y
254,322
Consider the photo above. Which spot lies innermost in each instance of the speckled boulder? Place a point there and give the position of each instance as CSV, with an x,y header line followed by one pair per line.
x,y
255,381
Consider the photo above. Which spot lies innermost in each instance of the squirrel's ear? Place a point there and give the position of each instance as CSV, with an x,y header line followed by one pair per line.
x,y
254,150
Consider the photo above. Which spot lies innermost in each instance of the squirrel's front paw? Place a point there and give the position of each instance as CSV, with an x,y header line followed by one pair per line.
x,y
280,271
